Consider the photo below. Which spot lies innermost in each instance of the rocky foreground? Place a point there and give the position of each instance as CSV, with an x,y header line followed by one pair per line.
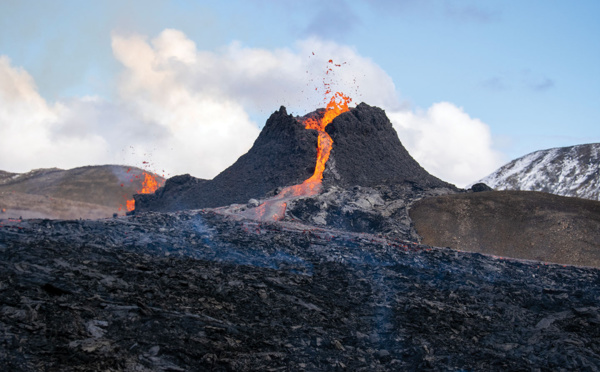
x,y
198,291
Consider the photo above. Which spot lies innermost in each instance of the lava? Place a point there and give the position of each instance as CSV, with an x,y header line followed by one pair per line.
x,y
338,104
274,209
149,185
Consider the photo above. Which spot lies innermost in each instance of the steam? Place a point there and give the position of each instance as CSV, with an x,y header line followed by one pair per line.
x,y
196,111
447,142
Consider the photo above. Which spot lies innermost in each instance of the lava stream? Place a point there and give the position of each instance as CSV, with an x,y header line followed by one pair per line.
x,y
274,209
149,185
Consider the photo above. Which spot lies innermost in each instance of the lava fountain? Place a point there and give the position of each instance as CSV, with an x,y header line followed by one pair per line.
x,y
149,186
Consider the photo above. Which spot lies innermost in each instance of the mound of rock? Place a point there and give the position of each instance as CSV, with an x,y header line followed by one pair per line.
x,y
377,210
283,154
366,152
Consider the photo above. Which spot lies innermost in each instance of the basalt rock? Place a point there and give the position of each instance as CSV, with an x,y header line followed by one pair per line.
x,y
283,154
366,152
377,210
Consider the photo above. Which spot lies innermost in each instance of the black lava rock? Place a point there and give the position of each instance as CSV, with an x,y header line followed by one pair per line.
x,y
283,154
196,291
367,152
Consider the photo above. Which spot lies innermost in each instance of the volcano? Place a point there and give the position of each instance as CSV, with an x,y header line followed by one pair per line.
x,y
366,151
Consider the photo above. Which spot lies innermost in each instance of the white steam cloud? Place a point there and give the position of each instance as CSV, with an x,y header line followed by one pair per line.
x,y
448,142
190,110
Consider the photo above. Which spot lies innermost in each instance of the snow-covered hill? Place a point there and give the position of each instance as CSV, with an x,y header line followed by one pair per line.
x,y
567,171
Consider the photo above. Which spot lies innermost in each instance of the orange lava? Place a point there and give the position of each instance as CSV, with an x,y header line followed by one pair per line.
x,y
149,185
274,209
337,105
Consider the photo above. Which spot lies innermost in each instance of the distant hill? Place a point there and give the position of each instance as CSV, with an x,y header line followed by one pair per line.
x,y
84,192
566,171
520,224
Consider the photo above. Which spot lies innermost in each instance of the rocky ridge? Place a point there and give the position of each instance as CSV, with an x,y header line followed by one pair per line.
x,y
567,171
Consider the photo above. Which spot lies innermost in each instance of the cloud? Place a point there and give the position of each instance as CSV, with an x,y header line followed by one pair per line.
x,y
334,19
29,127
523,80
495,84
190,110
448,142
541,85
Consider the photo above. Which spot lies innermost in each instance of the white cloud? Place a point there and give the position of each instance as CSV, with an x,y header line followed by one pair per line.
x,y
29,127
190,110
448,142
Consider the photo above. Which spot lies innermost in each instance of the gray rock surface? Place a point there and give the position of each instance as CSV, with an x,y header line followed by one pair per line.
x,y
380,209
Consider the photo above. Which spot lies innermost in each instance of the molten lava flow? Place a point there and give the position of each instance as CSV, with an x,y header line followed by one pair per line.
x,y
149,185
334,108
274,209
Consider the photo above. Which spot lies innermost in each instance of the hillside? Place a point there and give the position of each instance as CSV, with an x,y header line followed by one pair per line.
x,y
84,192
521,224
566,171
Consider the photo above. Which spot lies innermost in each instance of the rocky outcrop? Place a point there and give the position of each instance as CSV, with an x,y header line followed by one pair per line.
x,y
566,171
377,210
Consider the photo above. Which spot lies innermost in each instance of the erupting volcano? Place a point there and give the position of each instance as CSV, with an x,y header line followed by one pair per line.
x,y
293,157
274,208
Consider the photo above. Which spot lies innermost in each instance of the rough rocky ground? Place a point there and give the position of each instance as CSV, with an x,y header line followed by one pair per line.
x,y
198,291
377,210
521,224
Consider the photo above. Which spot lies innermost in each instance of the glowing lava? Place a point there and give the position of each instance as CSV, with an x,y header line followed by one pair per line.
x,y
337,105
274,209
149,185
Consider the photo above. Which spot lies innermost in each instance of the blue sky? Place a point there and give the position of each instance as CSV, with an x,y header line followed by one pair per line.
x,y
523,74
